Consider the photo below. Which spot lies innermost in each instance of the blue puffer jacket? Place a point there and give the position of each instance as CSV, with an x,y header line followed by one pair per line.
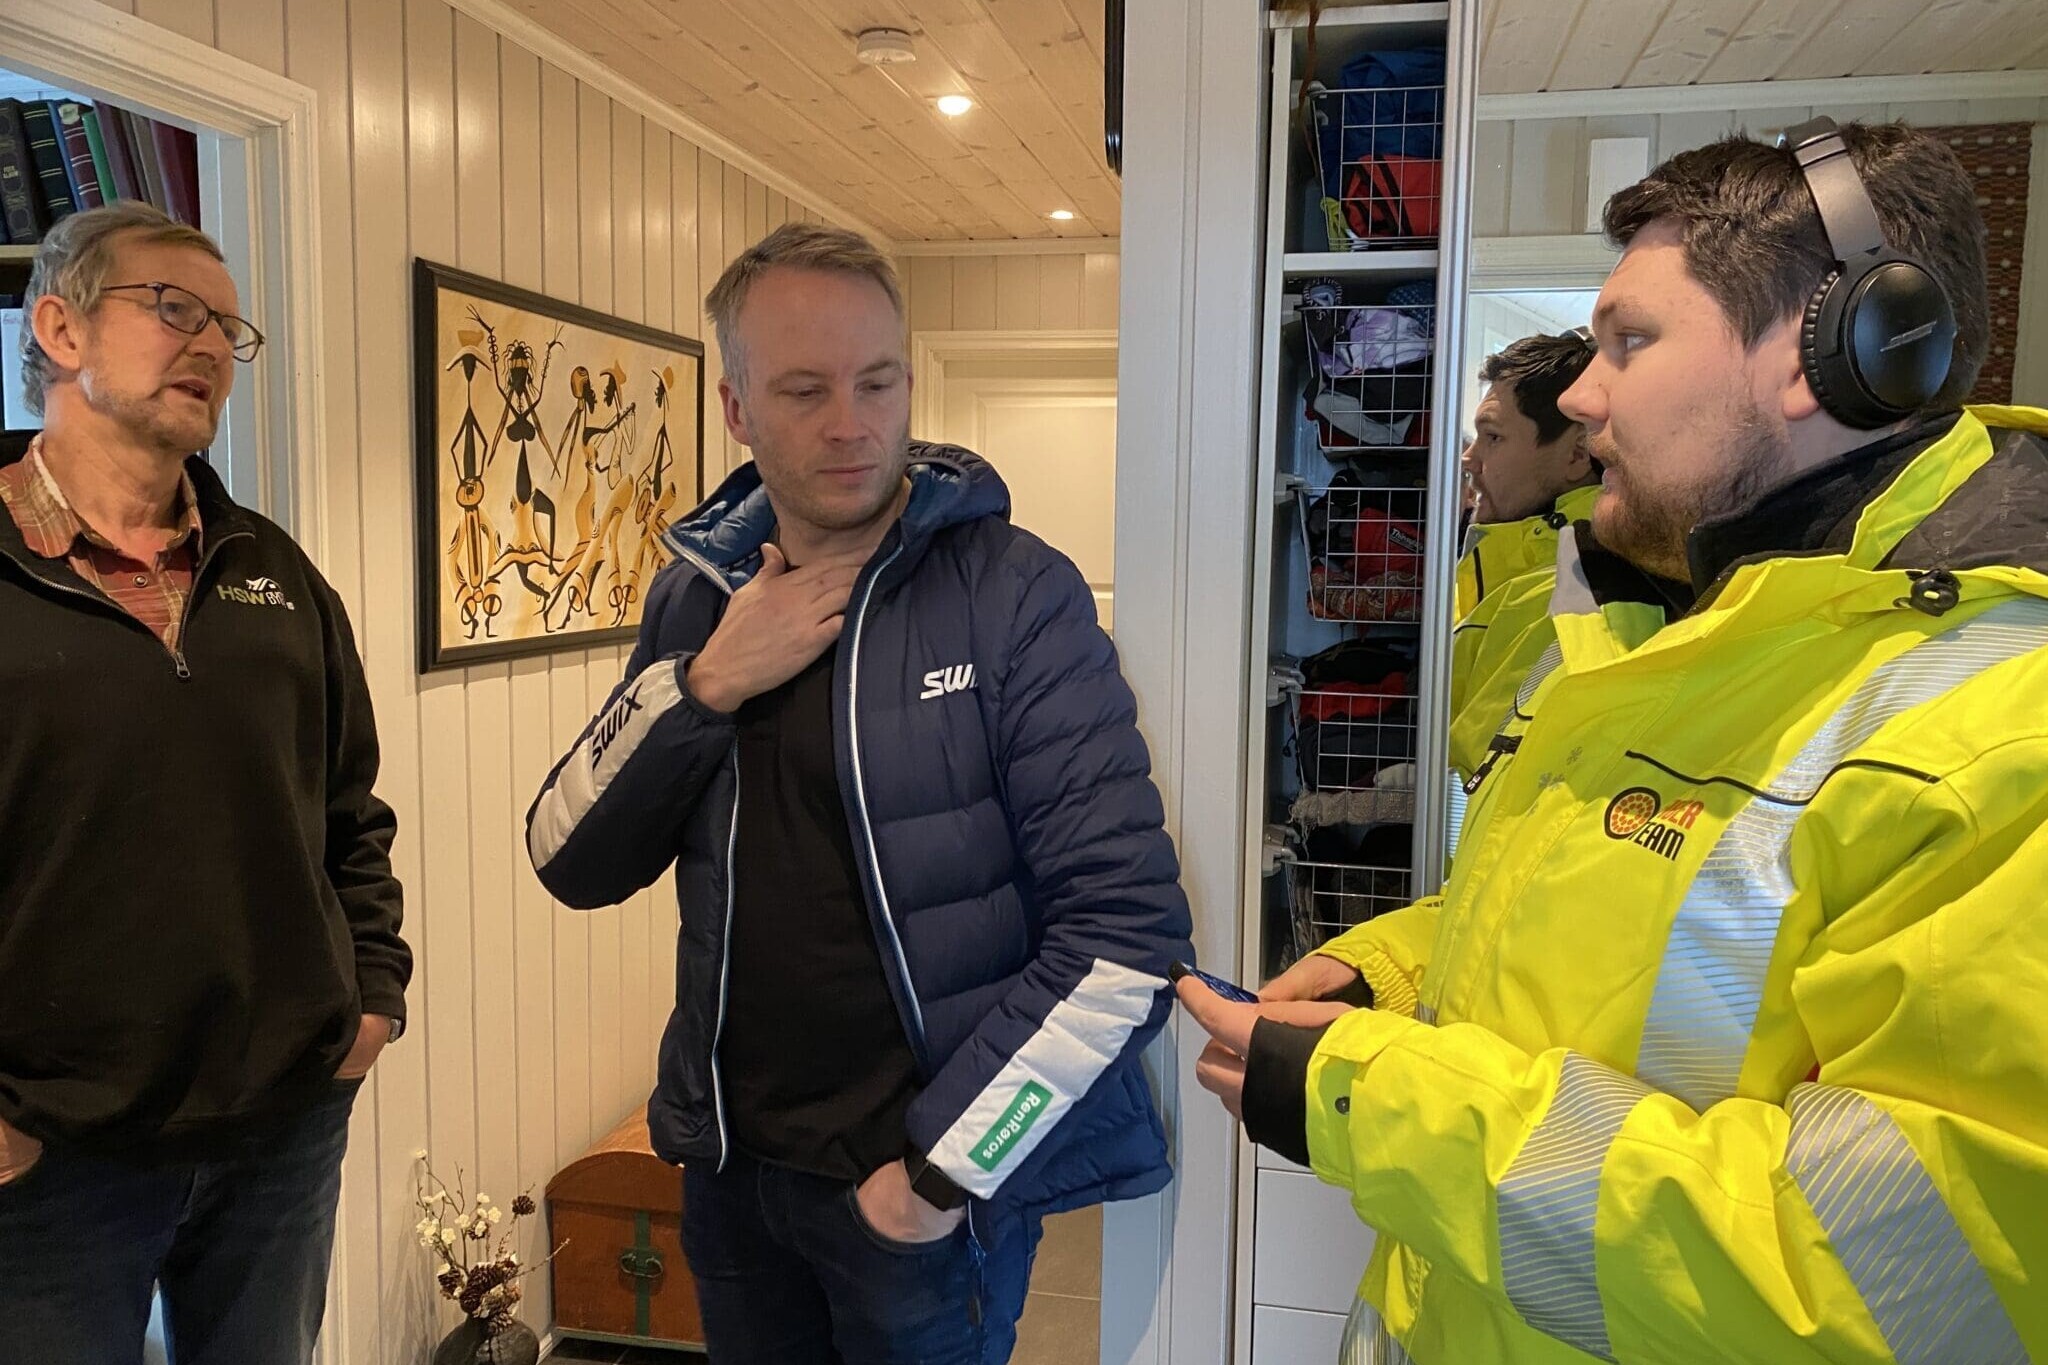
x,y
1023,892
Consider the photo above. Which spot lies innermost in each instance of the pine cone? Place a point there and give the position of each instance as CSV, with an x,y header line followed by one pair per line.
x,y
523,1206
450,1281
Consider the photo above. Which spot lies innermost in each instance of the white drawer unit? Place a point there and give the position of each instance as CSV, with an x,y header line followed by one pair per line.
x,y
1308,1248
1287,1336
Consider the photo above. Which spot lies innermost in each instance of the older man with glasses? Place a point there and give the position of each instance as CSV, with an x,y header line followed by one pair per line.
x,y
199,949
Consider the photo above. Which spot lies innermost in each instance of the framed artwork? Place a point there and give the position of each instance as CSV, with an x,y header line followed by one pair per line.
x,y
554,446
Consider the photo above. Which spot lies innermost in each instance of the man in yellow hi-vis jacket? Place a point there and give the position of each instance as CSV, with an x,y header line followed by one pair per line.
x,y
1726,1039
1530,475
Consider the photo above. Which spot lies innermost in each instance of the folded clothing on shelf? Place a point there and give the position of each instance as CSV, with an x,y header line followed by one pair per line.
x,y
1354,717
1374,806
1365,563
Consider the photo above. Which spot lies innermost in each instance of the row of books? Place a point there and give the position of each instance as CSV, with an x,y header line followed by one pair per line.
x,y
59,156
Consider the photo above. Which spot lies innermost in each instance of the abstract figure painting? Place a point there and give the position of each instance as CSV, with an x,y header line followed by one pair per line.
x,y
555,446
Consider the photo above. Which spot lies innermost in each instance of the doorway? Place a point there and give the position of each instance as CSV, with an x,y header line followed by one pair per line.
x,y
1041,408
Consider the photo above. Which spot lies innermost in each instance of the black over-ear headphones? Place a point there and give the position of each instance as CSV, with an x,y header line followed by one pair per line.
x,y
1879,333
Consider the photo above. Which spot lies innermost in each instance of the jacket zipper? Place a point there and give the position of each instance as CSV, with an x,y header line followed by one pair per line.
x,y
732,840
100,599
1497,748
915,1014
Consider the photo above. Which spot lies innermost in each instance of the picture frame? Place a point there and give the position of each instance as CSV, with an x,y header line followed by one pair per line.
x,y
553,445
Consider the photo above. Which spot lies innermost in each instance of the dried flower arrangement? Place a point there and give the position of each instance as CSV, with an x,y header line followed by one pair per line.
x,y
474,1242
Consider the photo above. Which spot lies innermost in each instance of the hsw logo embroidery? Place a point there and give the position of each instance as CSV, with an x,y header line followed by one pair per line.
x,y
940,681
260,592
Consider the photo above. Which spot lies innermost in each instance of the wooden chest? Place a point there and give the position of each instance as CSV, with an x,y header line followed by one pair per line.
x,y
616,1214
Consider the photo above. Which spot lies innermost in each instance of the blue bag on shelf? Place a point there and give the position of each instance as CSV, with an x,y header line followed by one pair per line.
x,y
1407,120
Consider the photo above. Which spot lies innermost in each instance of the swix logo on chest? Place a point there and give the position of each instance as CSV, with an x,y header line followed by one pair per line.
x,y
940,681
1639,816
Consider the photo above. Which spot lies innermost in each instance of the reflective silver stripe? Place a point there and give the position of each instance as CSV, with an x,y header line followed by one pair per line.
x,y
1572,593
1711,982
1547,663
1425,1014
1367,1341
1894,1233
1456,816
1548,1199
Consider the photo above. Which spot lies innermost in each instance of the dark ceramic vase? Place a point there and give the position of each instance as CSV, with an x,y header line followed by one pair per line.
x,y
467,1345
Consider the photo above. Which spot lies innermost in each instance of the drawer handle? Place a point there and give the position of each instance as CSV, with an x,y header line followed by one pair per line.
x,y
641,1265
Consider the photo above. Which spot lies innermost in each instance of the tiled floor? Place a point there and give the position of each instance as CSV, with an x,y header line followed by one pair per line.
x,y
1062,1317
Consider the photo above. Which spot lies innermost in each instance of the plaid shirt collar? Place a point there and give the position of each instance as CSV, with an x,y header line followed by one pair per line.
x,y
50,528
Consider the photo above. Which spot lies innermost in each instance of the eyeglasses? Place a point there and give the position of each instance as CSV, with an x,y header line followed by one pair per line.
x,y
181,310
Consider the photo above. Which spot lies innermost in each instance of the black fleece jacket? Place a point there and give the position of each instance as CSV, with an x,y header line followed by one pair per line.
x,y
196,899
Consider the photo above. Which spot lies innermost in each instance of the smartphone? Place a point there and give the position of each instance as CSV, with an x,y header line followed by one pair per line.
x,y
1226,989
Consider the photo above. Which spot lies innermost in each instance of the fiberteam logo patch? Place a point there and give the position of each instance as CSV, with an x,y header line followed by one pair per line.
x,y
1639,816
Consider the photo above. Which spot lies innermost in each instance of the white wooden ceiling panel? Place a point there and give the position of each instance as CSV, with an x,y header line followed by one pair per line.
x,y
780,81
1852,35
1522,46
1609,38
1773,32
2019,24
1941,28
1686,43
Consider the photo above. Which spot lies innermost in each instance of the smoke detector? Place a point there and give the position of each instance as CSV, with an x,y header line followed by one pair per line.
x,y
884,47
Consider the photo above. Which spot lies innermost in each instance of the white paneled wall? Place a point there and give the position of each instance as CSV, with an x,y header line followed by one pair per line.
x,y
533,1028
1529,179
1068,291
1529,175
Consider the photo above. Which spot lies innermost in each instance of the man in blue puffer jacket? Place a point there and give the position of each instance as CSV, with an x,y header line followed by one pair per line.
x,y
928,905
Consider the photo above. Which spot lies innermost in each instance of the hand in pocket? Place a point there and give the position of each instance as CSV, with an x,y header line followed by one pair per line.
x,y
895,1211
18,1153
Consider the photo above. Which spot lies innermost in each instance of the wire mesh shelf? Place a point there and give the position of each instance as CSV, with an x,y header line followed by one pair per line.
x,y
1325,899
1354,748
1371,365
1364,547
1379,160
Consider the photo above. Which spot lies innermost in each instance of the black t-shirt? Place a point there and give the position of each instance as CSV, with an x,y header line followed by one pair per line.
x,y
816,1068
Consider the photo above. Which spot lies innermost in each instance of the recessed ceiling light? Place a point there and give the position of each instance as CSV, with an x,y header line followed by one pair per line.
x,y
953,106
1061,215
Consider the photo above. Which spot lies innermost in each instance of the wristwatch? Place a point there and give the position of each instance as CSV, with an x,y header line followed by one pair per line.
x,y
397,1027
931,1184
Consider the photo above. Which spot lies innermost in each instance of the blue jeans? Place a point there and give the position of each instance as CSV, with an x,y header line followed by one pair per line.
x,y
239,1247
789,1273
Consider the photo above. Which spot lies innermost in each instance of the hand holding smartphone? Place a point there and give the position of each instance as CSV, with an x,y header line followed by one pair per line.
x,y
1226,989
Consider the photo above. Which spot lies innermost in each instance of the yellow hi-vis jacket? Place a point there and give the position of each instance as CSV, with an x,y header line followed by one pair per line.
x,y
1728,1038
1503,626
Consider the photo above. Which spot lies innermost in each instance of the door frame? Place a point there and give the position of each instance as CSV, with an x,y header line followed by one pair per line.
x,y
931,351
258,154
